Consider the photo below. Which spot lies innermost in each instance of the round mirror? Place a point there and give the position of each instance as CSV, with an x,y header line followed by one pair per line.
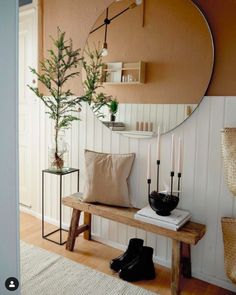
x,y
154,64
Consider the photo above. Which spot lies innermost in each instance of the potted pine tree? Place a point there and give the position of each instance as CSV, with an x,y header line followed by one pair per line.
x,y
62,105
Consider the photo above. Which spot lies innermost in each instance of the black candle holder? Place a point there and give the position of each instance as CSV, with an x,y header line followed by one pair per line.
x,y
158,173
172,174
164,203
149,186
179,178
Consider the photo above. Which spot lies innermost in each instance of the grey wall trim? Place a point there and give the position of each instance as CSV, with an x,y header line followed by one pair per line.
x,y
9,197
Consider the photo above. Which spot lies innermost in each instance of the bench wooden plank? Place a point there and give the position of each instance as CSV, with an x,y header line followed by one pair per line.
x,y
175,269
87,221
73,230
190,233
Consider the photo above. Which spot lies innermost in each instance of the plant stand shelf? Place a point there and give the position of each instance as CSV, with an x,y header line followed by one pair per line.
x,y
60,229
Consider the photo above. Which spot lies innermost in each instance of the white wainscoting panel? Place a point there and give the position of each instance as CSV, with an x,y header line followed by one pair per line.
x,y
204,192
167,116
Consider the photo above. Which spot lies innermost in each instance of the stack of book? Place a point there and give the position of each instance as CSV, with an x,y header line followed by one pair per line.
x,y
174,221
115,126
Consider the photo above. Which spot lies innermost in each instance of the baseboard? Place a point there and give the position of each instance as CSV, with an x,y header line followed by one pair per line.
x,y
215,281
201,276
39,216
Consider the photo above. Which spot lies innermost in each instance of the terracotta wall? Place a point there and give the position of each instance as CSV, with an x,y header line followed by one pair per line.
x,y
221,15
179,62
174,41
82,14
76,17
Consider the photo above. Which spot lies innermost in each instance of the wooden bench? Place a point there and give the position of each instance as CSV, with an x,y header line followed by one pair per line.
x,y
188,235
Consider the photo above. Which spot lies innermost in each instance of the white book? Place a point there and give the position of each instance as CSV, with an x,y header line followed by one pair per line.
x,y
176,217
162,223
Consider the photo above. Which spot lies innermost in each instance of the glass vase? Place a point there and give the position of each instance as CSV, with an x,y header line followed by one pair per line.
x,y
58,153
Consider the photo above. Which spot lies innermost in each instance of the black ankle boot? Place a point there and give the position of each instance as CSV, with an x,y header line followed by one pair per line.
x,y
134,249
142,268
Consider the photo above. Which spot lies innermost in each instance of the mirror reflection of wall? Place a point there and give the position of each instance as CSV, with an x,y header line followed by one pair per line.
x,y
145,118
158,62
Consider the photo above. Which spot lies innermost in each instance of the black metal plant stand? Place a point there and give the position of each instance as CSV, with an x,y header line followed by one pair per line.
x,y
60,229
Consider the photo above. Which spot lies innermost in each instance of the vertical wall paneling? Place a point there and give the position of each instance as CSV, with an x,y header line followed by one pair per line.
x,y
97,147
201,168
124,147
213,182
166,115
204,192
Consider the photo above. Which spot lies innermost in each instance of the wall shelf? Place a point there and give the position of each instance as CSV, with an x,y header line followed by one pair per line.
x,y
137,134
124,73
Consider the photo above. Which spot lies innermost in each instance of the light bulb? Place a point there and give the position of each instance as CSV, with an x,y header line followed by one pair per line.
x,y
104,50
138,2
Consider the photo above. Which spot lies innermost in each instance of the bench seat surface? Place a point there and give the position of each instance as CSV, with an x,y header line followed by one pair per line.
x,y
190,233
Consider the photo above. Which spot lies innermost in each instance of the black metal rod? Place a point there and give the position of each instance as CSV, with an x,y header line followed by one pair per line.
x,y
171,182
179,178
51,233
99,27
123,11
149,186
60,244
105,39
114,17
158,174
78,182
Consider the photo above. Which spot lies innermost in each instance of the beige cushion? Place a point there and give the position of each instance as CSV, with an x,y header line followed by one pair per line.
x,y
106,177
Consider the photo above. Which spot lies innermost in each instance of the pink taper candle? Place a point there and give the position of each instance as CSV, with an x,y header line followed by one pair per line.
x,y
172,169
158,143
149,162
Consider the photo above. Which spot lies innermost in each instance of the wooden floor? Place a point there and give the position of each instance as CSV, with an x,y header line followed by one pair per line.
x,y
97,256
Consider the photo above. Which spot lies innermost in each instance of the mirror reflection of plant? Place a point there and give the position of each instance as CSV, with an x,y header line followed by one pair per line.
x,y
93,66
113,106
55,71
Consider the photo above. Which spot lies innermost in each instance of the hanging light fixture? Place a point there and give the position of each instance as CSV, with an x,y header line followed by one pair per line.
x,y
138,2
105,47
107,21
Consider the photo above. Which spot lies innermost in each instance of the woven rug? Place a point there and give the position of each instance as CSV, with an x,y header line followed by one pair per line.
x,y
46,273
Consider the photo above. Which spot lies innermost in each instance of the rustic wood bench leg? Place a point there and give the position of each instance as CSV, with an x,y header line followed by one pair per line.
x,y
73,230
186,260
175,267
88,221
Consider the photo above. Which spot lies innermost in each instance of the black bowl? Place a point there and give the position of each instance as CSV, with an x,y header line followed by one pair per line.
x,y
162,203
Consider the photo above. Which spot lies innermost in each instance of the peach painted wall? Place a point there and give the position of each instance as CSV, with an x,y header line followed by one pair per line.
x,y
175,43
76,18
179,62
220,14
